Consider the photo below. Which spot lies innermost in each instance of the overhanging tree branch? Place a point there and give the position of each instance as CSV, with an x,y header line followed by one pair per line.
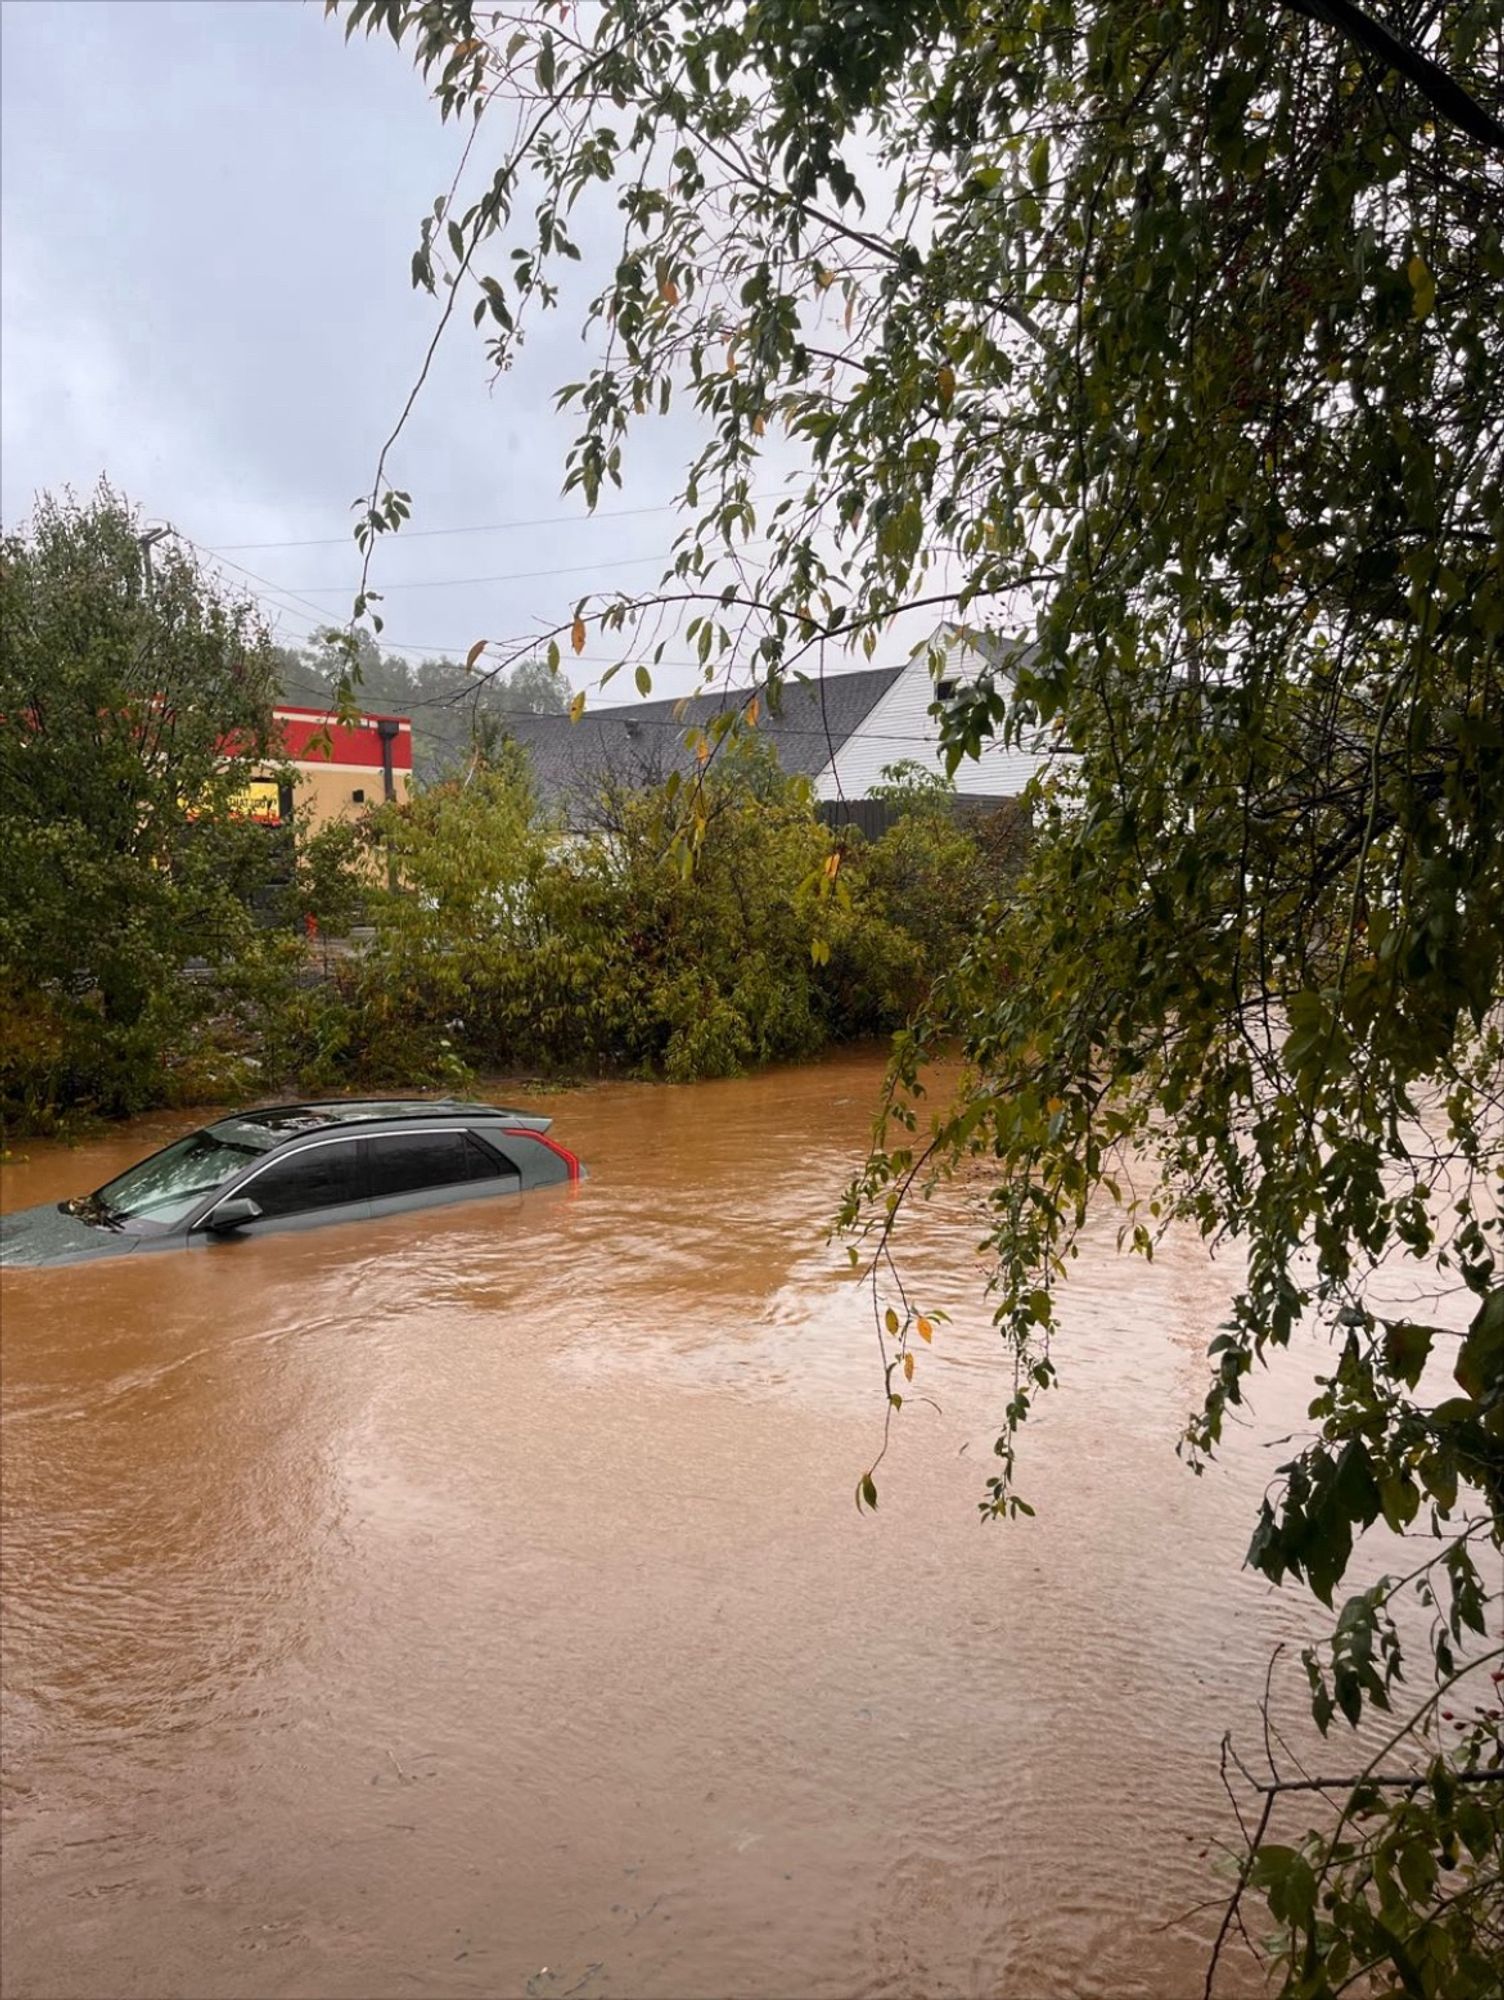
x,y
1433,82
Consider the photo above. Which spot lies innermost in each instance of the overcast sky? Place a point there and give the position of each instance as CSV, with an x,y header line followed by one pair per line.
x,y
209,208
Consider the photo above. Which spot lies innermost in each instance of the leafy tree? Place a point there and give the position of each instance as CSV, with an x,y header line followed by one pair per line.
x,y
525,953
1168,339
500,945
532,687
134,704
915,896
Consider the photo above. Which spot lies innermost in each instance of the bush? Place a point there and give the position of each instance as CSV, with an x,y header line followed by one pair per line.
x,y
702,931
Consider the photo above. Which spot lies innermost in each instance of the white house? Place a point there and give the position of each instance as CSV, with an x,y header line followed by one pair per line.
x,y
898,727
841,731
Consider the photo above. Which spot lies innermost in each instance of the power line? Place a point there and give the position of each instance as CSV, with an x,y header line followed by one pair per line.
x,y
480,528
320,616
266,583
509,576
454,698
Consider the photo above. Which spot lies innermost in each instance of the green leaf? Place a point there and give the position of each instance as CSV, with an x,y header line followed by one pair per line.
x,y
1288,1881
1406,1347
1480,1363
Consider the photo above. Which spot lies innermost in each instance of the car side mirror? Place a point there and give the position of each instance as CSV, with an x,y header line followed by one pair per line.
x,y
234,1214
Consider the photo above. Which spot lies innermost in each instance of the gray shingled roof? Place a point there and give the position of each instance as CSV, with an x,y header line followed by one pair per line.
x,y
639,743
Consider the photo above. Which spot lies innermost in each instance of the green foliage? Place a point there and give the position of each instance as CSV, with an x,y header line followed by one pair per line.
x,y
504,945
916,897
1402,1891
1178,328
134,703
335,873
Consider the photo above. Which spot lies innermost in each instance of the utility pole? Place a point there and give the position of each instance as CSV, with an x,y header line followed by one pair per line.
x,y
146,542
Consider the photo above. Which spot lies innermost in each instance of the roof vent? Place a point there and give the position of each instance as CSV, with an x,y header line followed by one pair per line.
x,y
945,689
634,727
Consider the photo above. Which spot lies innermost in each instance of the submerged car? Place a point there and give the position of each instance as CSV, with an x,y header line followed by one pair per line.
x,y
295,1166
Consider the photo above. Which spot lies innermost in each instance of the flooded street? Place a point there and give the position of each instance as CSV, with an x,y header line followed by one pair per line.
x,y
474,1602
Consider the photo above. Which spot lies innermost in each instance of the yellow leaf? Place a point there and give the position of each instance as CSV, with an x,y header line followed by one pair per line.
x,y
908,1368
577,635
758,427
753,711
577,706
833,863
668,291
473,655
1422,285
890,1320
823,278
945,383
923,1328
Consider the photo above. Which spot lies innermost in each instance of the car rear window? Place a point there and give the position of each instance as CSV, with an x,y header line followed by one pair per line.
x,y
409,1162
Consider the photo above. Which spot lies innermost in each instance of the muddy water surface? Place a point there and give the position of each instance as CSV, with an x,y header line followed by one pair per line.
x,y
474,1603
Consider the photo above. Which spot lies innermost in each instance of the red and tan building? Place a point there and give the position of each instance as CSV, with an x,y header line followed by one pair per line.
x,y
339,767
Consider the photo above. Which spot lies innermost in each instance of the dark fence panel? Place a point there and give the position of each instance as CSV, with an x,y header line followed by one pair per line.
x,y
873,817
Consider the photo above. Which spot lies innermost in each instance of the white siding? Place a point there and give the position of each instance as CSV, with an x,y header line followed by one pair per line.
x,y
898,728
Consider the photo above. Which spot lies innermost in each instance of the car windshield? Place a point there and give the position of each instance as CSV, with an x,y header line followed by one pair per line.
x,y
163,1189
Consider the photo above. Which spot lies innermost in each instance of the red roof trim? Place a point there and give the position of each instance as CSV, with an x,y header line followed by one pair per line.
x,y
332,715
347,743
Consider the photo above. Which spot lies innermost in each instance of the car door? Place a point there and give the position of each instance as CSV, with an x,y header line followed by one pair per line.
x,y
321,1182
430,1168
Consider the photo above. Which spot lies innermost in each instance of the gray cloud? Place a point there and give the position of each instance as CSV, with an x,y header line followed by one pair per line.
x,y
208,215
209,208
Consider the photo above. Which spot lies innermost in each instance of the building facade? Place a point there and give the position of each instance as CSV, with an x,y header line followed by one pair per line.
x,y
339,767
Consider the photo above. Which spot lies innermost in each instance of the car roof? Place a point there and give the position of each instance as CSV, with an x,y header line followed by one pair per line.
x,y
273,1124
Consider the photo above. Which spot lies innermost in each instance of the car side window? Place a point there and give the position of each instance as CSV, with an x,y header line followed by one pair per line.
x,y
409,1162
319,1177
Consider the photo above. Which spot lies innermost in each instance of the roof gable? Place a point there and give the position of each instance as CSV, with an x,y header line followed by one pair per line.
x,y
904,725
639,743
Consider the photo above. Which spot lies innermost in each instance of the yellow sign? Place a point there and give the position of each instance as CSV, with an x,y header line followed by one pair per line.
x,y
261,799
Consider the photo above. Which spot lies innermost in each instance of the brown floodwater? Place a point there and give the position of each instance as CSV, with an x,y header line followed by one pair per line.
x,y
475,1603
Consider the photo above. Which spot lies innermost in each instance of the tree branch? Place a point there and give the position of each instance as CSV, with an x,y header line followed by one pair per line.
x,y
1440,90
1408,1781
